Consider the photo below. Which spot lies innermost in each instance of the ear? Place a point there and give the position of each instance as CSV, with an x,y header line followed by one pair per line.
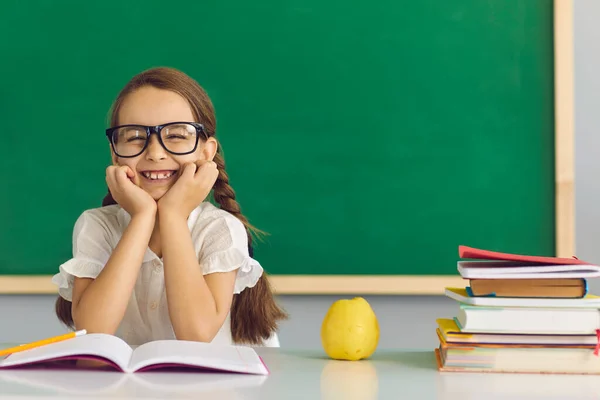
x,y
209,149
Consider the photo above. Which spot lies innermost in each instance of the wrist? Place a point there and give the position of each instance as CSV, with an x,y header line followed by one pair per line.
x,y
145,209
170,214
146,216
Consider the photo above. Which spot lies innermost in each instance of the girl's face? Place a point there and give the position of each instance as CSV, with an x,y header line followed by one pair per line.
x,y
156,170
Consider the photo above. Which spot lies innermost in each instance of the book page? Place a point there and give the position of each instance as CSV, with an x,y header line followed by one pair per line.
x,y
96,345
502,267
487,270
461,295
197,354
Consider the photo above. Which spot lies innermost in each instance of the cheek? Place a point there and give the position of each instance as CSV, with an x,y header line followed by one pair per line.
x,y
189,158
130,162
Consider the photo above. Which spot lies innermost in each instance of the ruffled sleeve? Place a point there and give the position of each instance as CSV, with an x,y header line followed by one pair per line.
x,y
91,251
223,247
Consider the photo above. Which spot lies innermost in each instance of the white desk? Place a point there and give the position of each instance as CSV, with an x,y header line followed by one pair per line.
x,y
302,375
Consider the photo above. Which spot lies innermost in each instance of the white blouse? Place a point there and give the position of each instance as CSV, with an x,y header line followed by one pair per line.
x,y
219,239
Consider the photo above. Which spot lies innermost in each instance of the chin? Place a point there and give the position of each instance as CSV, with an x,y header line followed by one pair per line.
x,y
156,193
157,196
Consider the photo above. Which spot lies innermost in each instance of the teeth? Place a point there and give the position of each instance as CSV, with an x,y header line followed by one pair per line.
x,y
154,175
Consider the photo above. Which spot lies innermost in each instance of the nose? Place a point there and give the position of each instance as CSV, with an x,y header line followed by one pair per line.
x,y
155,151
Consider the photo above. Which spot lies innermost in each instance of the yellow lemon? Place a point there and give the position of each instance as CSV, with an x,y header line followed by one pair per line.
x,y
350,330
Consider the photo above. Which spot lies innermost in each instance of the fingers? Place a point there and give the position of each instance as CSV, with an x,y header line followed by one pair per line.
x,y
129,172
121,175
206,163
117,177
206,167
189,170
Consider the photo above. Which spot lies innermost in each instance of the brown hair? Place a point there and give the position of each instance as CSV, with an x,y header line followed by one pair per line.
x,y
254,312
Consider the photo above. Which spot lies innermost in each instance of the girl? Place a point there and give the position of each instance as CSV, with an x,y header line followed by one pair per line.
x,y
157,261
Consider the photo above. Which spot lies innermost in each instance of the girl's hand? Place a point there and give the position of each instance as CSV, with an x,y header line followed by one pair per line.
x,y
131,197
191,189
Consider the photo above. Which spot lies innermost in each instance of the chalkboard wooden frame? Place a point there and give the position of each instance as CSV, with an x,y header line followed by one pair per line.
x,y
432,285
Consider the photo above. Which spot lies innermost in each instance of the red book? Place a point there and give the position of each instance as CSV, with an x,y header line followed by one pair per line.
x,y
471,252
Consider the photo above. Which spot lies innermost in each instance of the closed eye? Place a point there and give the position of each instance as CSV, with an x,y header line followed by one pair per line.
x,y
170,137
136,138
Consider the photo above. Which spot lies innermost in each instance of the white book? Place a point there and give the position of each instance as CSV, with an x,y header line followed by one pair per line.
x,y
450,331
461,295
518,360
513,270
534,320
153,355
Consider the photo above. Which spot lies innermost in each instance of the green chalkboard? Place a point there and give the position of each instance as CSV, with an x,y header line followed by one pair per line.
x,y
366,137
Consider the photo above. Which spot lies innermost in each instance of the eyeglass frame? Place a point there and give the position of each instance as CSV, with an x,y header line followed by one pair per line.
x,y
150,130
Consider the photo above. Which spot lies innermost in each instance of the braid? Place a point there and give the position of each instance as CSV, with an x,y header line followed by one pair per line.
x,y
223,192
254,312
224,195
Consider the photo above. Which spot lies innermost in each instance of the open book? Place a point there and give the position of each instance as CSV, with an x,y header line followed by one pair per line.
x,y
117,354
494,265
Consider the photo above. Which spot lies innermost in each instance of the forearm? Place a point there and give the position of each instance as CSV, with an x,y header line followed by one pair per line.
x,y
192,307
102,305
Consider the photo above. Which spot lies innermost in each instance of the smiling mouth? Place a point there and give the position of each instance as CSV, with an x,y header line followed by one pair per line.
x,y
158,175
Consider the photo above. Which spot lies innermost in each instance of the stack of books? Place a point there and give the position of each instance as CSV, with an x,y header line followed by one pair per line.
x,y
521,314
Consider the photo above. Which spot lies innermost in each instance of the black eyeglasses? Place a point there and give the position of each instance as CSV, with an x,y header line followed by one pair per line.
x,y
177,138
